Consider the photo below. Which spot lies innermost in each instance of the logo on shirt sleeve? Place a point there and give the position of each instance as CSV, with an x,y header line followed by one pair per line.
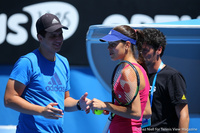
x,y
183,97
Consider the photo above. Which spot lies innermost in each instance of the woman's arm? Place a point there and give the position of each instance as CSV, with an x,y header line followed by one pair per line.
x,y
132,111
147,111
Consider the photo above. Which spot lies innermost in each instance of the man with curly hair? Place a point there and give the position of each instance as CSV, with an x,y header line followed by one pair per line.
x,y
168,87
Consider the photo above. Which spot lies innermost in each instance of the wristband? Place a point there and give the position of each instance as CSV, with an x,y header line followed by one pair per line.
x,y
78,106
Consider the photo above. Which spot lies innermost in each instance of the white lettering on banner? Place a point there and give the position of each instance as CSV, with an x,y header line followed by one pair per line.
x,y
116,18
67,14
165,18
3,30
69,17
20,32
185,17
143,19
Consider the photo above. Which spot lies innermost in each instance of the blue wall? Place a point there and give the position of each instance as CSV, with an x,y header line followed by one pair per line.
x,y
82,80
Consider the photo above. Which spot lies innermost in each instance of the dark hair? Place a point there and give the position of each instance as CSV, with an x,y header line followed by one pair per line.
x,y
136,35
155,38
42,33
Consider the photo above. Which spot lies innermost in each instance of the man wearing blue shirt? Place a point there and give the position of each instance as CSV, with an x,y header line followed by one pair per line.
x,y
39,84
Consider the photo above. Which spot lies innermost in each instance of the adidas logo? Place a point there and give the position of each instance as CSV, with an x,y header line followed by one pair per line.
x,y
55,80
183,97
54,21
55,84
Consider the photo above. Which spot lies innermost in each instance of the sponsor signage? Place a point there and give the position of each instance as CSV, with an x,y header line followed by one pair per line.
x,y
18,33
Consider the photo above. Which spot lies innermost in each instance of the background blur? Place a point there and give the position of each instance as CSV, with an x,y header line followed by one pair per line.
x,y
18,37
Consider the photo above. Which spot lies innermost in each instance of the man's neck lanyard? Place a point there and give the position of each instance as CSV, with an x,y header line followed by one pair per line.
x,y
154,81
